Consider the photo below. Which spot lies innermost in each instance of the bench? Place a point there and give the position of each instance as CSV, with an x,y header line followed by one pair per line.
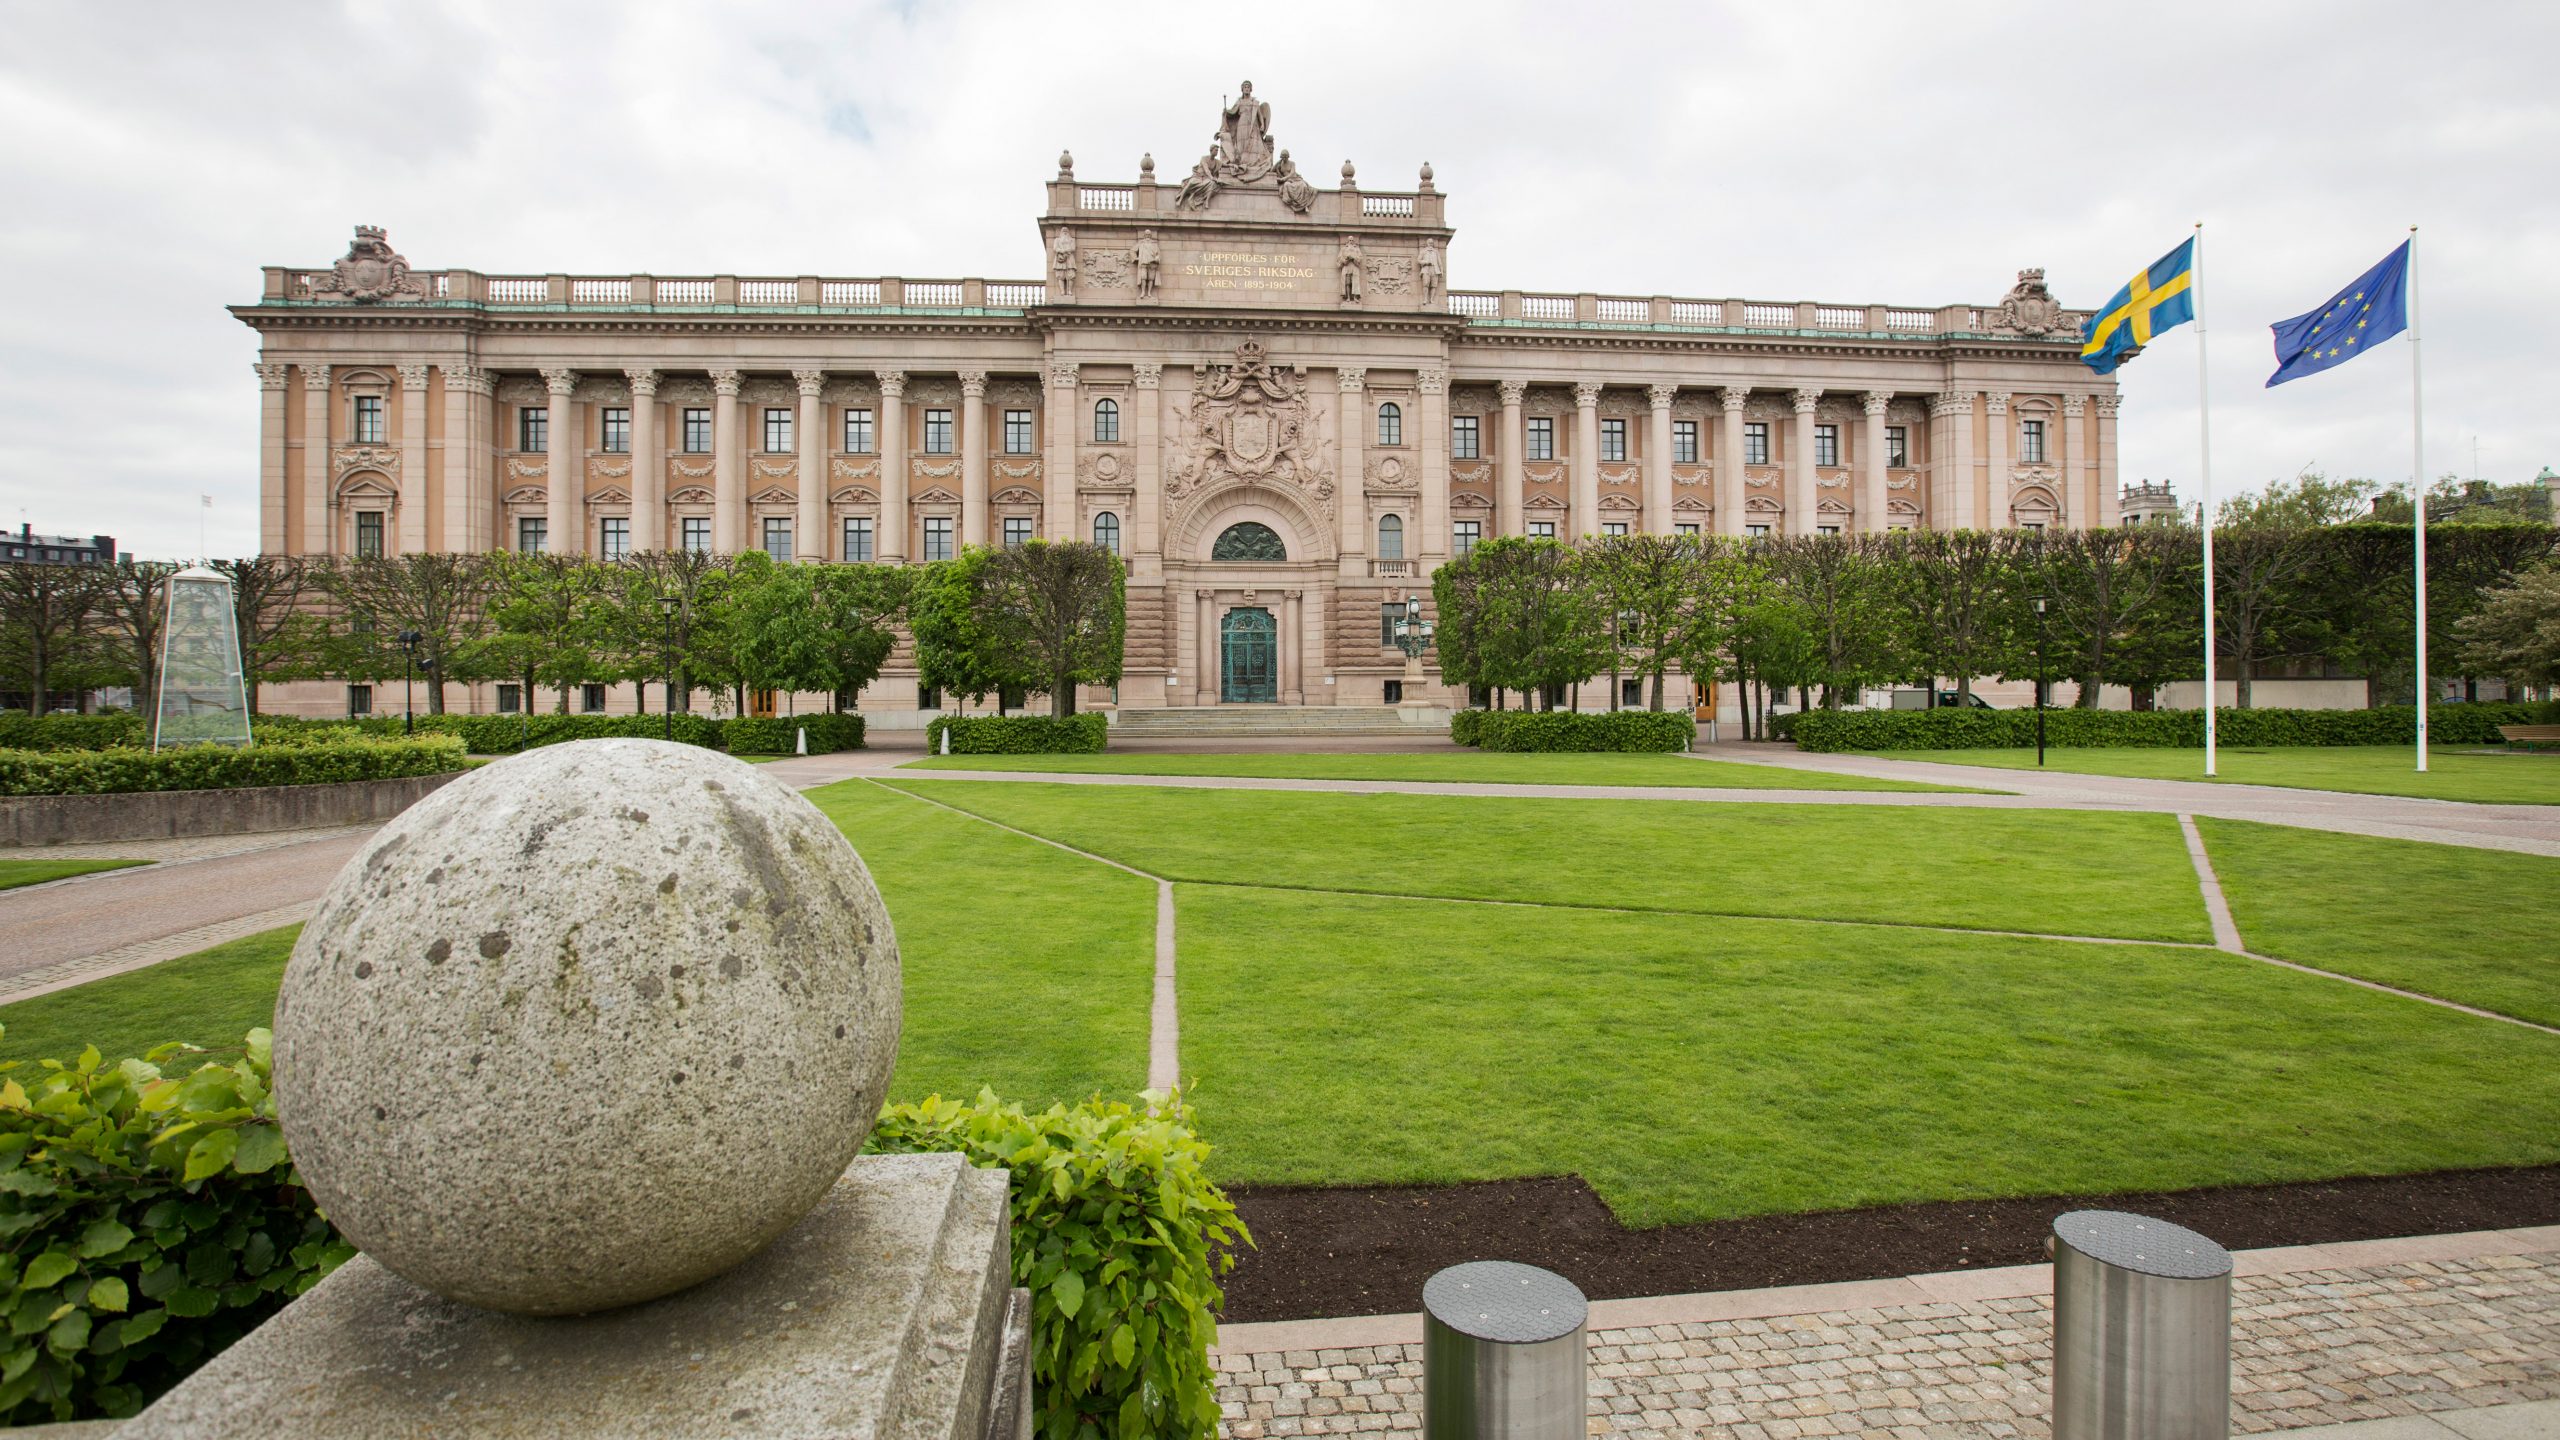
x,y
2530,734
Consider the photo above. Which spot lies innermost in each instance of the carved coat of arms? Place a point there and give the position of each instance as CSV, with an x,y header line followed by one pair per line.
x,y
2030,309
1247,422
370,271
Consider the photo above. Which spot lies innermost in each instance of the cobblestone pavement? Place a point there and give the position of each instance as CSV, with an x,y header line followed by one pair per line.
x,y
2310,1347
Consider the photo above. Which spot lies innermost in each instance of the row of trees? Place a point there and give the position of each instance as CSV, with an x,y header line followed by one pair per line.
x,y
1840,614
1036,618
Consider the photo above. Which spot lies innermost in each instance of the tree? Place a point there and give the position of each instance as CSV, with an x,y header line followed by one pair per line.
x,y
858,608
1773,647
133,619
542,619
692,644
45,617
954,650
1841,586
440,595
1646,585
1539,627
1955,587
278,636
1056,614
2515,634
2106,587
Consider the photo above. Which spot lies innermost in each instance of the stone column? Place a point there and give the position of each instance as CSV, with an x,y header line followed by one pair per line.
x,y
648,465
1512,482
413,460
1657,460
2079,505
973,457
564,469
891,543
1951,504
272,539
1204,686
1058,508
1433,387
1350,423
319,507
809,538
1293,674
1586,459
1801,509
1996,430
728,466
1142,528
1873,500
470,460
1730,472
2110,498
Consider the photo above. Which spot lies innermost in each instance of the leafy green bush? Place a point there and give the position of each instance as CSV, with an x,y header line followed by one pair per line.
x,y
1556,730
1955,728
1119,1237
217,767
22,731
1086,734
1463,726
781,735
507,734
151,1218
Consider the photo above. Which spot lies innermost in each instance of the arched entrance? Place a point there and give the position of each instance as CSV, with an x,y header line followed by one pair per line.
x,y
1249,658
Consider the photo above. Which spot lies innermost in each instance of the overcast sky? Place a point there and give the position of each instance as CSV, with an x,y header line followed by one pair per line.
x,y
158,154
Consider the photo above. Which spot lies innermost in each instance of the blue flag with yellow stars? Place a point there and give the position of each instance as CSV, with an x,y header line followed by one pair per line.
x,y
2155,300
2356,319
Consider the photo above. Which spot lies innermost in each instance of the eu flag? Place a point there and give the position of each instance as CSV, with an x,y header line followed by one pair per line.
x,y
2356,319
2160,297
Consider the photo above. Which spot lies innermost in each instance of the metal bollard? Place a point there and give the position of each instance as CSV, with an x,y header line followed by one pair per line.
x,y
1502,1354
2141,1330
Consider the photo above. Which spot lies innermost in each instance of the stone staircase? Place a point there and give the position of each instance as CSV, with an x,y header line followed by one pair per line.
x,y
1212,722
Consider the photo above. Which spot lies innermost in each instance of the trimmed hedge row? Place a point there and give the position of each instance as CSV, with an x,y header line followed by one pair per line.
x,y
1562,730
1976,729
22,731
1086,734
482,734
780,735
221,767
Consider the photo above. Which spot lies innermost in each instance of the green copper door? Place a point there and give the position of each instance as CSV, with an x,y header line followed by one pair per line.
x,y
1249,659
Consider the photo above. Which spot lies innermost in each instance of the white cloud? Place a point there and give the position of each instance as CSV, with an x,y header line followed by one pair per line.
x,y
159,154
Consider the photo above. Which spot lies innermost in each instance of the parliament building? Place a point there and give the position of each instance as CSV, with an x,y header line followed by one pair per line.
x,y
1269,397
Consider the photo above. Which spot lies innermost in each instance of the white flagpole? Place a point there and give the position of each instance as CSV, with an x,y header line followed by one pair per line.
x,y
2418,488
2204,510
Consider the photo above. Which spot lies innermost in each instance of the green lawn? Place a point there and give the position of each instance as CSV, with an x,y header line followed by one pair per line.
x,y
1450,766
2466,773
14,873
2474,926
2053,872
1694,1069
210,998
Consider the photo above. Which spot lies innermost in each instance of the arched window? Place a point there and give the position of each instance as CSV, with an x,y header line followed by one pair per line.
x,y
1390,424
1248,540
1106,531
1106,421
1390,537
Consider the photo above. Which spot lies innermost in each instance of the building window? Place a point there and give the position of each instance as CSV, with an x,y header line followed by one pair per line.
x,y
857,538
1756,532
1465,442
1826,444
1542,438
617,430
857,431
1613,440
1106,531
369,534
1393,694
531,532
1542,529
1390,424
777,432
1463,541
937,537
1106,422
510,699
1687,529
1390,537
359,700
368,419
1388,615
777,538
591,699
928,698
937,432
1613,528
533,428
615,541
1684,442
2031,442
697,534
697,430
1826,529
1017,531
1017,432
1755,443
1897,446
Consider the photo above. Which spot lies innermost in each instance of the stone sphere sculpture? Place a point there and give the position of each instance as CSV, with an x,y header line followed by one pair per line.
x,y
587,1026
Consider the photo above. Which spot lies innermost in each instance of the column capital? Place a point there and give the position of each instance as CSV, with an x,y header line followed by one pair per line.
x,y
468,380
644,383
1951,402
810,382
1734,397
1513,391
1661,396
2107,405
1996,402
1205,594
1146,375
315,377
725,383
973,383
1877,400
560,382
271,374
893,383
1062,375
1807,398
1432,381
2074,405
1352,378
1586,393
412,377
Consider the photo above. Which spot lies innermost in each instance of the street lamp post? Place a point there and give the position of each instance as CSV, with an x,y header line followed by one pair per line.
x,y
1413,636
2040,682
667,606
409,681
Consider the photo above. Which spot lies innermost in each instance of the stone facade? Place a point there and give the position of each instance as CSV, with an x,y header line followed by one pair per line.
x,y
1233,347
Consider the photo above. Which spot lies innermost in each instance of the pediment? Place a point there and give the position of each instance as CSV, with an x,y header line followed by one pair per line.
x,y
937,496
1016,496
1463,500
1832,505
1690,502
690,495
1900,506
1763,505
610,495
854,495
1617,502
527,495
1542,502
367,486
771,495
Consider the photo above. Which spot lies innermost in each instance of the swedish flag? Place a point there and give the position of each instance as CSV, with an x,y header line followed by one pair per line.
x,y
2159,298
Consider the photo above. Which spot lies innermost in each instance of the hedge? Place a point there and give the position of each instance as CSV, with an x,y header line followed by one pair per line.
x,y
1557,730
1953,728
1086,734
1463,726
151,1218
218,767
780,735
1120,1238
